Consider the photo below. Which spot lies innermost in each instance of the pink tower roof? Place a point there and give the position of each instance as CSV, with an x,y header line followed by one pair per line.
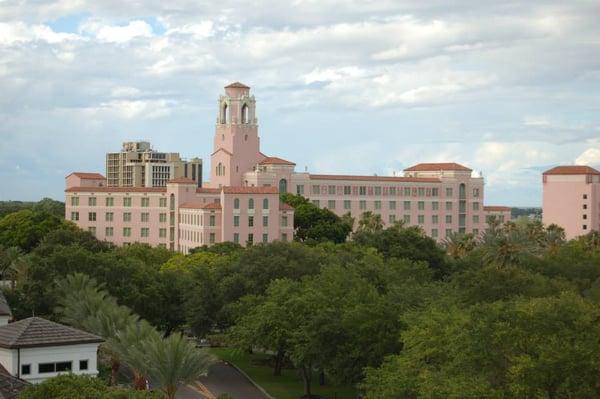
x,y
572,170
237,85
426,167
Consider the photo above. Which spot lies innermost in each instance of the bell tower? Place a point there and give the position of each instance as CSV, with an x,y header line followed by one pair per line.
x,y
236,148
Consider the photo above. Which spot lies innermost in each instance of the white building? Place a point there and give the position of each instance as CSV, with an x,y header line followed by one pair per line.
x,y
5,312
36,349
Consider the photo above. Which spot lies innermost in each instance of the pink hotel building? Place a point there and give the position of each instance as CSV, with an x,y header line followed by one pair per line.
x,y
241,203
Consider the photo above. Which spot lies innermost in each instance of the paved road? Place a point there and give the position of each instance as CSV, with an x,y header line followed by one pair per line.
x,y
221,378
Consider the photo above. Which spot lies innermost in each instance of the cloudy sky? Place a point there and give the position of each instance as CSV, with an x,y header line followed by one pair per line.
x,y
507,88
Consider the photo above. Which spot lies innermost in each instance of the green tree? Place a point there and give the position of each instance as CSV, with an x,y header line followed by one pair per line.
x,y
370,222
26,228
458,245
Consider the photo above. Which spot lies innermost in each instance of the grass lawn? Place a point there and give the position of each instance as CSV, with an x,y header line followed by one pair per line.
x,y
288,385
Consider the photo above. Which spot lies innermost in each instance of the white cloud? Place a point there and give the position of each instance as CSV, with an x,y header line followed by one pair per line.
x,y
116,33
591,156
19,32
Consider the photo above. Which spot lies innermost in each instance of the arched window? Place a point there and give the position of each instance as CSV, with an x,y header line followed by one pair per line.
x,y
265,203
224,114
220,169
462,194
236,203
172,204
251,203
244,113
282,186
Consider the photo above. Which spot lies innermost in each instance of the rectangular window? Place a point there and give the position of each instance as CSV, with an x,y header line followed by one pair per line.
x,y
421,191
407,191
110,201
347,190
316,203
331,204
347,204
92,201
162,202
421,205
108,216
145,232
92,230
265,221
211,238
584,196
162,218
448,218
475,219
392,191
475,206
300,189
25,369
435,192
584,227
392,205
407,205
475,232
162,233
476,192
265,238
92,216
435,206
126,231
108,231
145,202
434,219
236,220
448,205
448,232
377,205
421,219
331,190
212,220
74,201
127,216
449,192
236,238
83,365
74,215
316,189
284,221
377,190
284,237
250,239
362,205
127,201
434,233
406,219
584,216
145,217
392,219
251,221
54,367
362,190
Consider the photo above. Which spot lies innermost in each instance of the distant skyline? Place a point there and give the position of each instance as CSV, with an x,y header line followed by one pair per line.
x,y
358,87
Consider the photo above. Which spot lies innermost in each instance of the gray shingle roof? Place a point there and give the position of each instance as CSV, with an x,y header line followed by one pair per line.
x,y
35,332
4,308
11,387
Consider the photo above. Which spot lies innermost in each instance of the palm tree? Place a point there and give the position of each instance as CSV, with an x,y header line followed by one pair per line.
x,y
370,222
172,362
510,248
457,245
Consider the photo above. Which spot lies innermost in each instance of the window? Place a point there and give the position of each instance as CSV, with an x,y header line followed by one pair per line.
x,y
108,231
211,238
476,192
284,237
74,215
108,216
92,216
236,238
145,202
236,203
251,203
92,230
236,221
110,201
421,219
25,369
585,216
250,239
392,191
421,191
434,233
407,191
54,367
449,192
127,216
331,190
407,205
265,238
316,203
211,220
250,221
435,206
145,217
265,203
265,221
475,206
448,205
435,192
316,189
585,227
448,232
476,232
347,204
331,204
347,190
392,205
362,204
362,190
584,206
377,190
162,202
475,219
74,201
392,219
421,205
127,201
83,365
162,233
434,219
282,186
284,221
126,231
300,189
406,219
377,205
584,196
244,113
145,232
162,218
92,201
448,218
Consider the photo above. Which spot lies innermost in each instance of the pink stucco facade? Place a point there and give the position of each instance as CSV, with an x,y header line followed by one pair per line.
x,y
241,203
572,199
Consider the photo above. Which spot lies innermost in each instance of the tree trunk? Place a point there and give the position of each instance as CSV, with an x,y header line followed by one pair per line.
x,y
170,391
278,363
139,381
306,378
115,364
321,378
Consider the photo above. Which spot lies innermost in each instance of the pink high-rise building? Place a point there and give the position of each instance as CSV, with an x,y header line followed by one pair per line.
x,y
241,203
572,199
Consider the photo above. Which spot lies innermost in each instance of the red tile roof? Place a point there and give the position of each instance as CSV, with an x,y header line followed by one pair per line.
x,y
182,180
398,179
275,161
572,170
285,207
117,189
495,208
206,190
427,167
250,190
237,85
201,205
88,176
